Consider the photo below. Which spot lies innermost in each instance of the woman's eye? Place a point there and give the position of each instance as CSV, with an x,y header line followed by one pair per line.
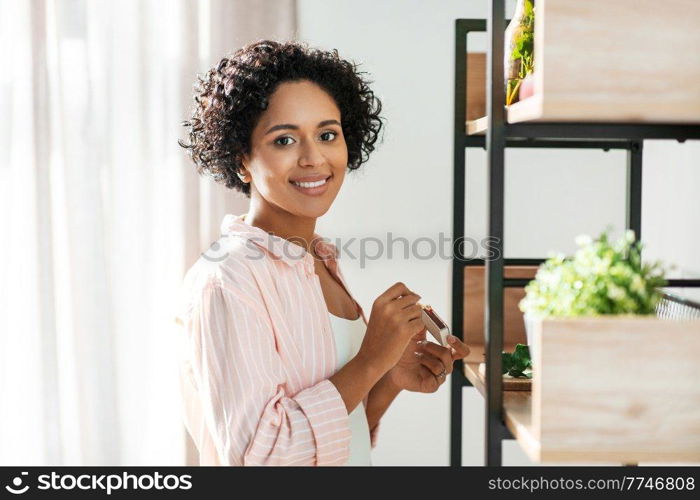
x,y
333,134
278,141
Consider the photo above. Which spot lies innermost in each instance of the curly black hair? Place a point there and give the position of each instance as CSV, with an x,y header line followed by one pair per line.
x,y
233,94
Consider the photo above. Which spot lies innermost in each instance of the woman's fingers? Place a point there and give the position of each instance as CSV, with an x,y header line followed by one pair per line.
x,y
419,337
395,291
444,354
411,313
434,364
408,300
430,382
461,350
428,367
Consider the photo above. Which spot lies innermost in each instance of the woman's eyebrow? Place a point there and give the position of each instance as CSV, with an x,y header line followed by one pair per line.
x,y
282,126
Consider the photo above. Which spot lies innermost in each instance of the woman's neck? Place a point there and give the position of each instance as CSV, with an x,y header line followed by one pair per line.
x,y
297,229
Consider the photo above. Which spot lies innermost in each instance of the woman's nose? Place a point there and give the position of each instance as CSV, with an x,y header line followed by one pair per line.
x,y
310,155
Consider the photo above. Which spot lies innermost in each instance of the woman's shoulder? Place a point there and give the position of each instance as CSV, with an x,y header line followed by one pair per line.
x,y
230,265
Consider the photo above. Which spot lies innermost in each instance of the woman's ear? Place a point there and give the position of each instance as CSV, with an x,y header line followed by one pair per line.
x,y
242,171
243,175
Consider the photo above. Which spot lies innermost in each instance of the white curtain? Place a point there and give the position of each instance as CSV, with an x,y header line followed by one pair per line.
x,y
101,213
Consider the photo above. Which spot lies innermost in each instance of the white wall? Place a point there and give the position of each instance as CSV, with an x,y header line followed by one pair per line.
x,y
406,189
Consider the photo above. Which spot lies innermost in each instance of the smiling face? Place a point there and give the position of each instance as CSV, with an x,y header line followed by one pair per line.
x,y
298,154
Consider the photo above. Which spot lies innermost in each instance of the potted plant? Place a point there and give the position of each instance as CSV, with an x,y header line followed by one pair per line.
x,y
519,51
611,379
602,278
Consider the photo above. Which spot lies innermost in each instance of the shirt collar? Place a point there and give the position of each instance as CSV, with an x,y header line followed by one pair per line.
x,y
282,249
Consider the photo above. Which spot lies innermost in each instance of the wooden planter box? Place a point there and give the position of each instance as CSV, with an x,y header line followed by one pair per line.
x,y
619,389
627,61
621,61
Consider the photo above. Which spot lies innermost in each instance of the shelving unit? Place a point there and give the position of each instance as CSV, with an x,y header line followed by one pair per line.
x,y
508,413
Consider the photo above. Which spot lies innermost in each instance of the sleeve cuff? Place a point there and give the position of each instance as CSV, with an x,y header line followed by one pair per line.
x,y
328,417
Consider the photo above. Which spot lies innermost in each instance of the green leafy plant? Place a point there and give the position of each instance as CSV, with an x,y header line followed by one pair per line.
x,y
601,278
522,50
517,363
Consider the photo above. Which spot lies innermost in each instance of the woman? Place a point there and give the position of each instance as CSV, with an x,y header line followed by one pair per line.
x,y
281,365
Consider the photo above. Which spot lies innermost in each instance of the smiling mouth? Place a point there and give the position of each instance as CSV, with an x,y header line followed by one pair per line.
x,y
311,185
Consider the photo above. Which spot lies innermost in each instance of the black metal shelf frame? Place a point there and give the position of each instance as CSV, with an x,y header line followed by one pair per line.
x,y
501,135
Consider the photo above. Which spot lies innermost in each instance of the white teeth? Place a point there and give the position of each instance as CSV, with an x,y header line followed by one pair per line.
x,y
310,184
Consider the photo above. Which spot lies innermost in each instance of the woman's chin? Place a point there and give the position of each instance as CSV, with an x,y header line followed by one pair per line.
x,y
314,206
313,212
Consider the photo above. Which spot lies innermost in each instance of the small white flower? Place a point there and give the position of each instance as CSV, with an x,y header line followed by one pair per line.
x,y
615,292
583,240
637,284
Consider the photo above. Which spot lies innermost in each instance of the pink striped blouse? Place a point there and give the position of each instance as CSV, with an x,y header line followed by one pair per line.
x,y
257,352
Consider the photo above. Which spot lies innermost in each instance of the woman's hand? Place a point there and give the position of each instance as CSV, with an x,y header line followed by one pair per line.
x,y
425,365
394,320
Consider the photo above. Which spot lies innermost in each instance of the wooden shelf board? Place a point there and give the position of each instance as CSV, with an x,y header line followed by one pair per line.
x,y
529,109
478,126
517,405
532,110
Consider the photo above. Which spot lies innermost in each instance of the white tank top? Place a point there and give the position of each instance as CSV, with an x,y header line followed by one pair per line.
x,y
348,338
